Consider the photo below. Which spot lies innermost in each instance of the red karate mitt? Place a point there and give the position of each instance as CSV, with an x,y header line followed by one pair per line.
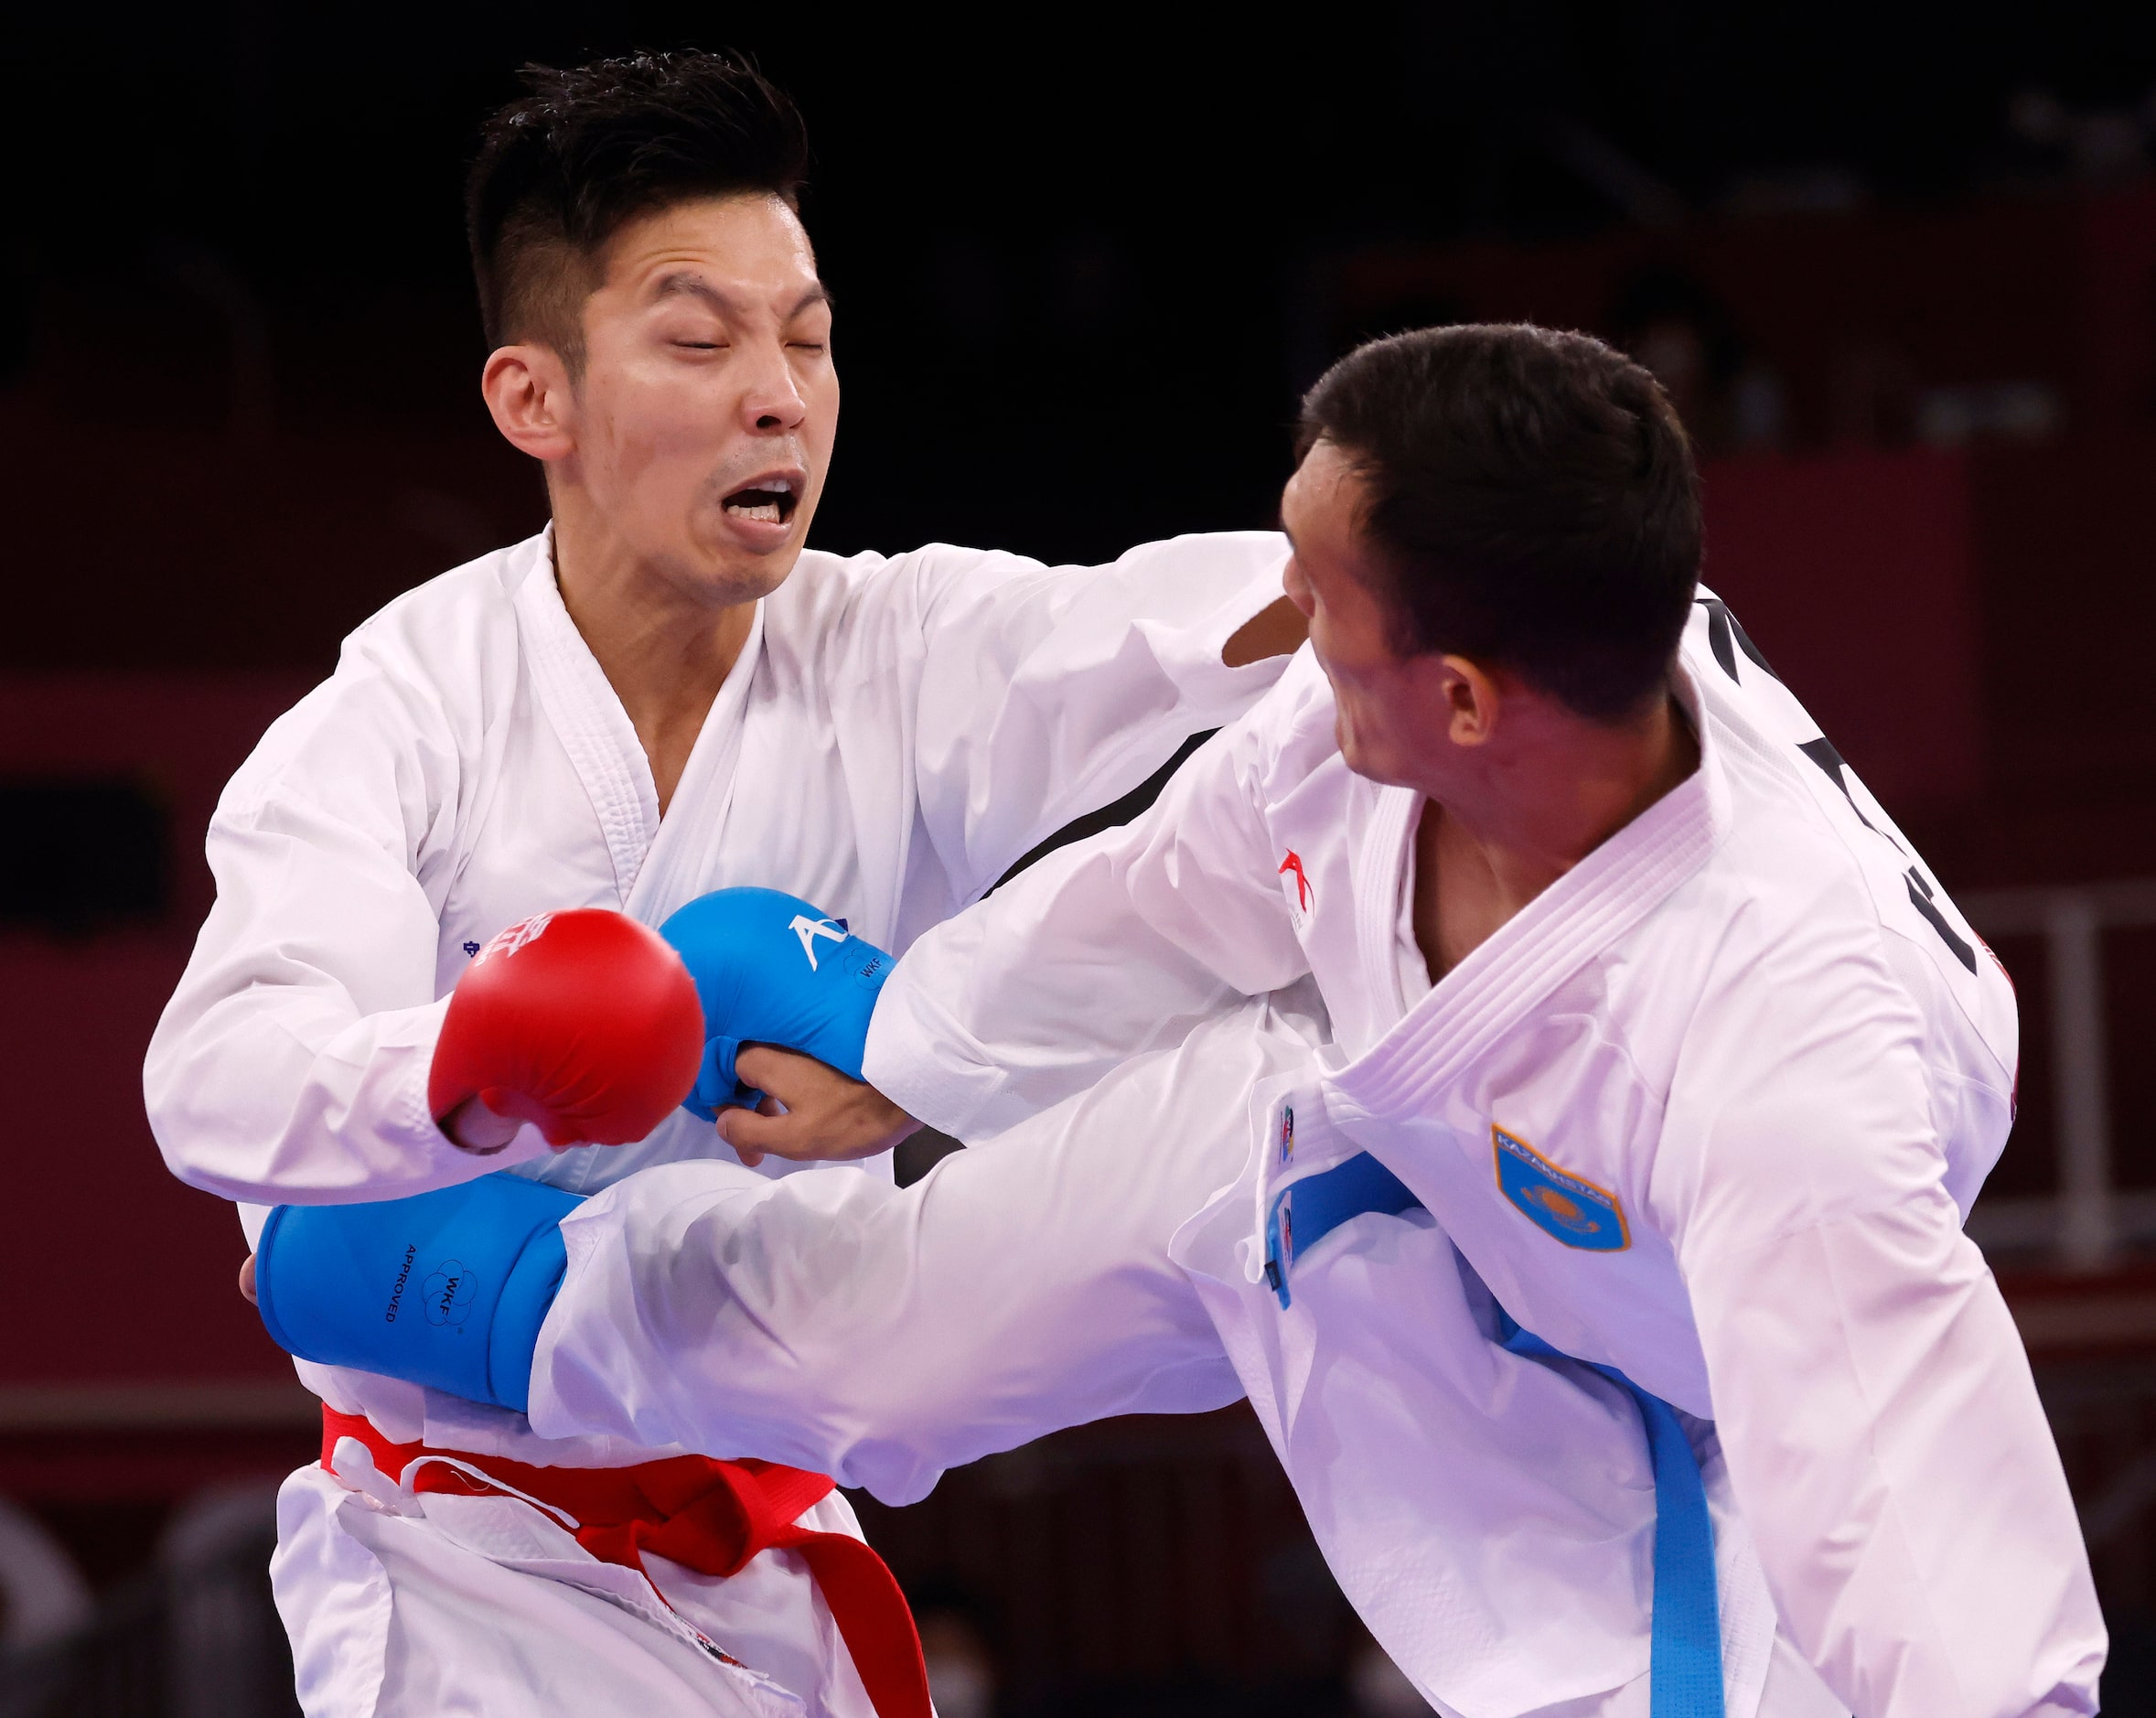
x,y
583,1022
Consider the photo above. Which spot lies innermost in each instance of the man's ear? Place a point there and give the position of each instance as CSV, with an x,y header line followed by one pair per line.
x,y
1474,700
526,390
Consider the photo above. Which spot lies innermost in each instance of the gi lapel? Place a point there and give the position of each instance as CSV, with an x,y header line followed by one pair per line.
x,y
610,759
594,730
1380,872
682,860
1488,993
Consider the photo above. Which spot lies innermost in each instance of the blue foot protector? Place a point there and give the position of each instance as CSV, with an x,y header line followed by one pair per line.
x,y
771,969
447,1289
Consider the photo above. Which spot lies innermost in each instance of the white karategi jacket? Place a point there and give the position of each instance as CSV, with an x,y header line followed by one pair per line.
x,y
1748,1046
897,732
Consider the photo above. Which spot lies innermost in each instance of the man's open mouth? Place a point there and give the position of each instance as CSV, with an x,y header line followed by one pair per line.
x,y
770,500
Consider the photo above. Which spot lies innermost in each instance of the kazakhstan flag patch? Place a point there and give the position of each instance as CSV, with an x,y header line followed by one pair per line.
x,y
1555,1201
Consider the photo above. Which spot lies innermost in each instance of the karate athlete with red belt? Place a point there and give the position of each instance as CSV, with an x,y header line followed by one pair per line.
x,y
663,694
1588,1164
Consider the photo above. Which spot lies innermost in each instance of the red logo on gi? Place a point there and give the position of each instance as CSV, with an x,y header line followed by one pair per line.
x,y
1295,886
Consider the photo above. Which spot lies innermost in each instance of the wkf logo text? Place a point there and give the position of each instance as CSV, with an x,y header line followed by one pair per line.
x,y
1555,1201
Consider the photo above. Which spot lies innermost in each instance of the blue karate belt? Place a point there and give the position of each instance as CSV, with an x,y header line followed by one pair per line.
x,y
1684,1666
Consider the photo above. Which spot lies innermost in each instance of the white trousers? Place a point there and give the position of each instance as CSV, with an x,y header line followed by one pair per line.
x,y
404,1606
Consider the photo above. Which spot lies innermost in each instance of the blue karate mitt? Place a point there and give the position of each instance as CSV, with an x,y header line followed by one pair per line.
x,y
446,1289
771,969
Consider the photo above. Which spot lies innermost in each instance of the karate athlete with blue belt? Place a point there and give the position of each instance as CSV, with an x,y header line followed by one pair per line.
x,y
664,693
1593,1081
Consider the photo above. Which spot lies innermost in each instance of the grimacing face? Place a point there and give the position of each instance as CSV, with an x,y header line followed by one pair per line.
x,y
702,426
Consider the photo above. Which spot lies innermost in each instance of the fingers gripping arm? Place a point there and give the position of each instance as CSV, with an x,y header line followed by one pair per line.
x,y
810,1113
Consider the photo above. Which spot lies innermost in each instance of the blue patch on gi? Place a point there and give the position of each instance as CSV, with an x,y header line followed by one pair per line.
x,y
1555,1201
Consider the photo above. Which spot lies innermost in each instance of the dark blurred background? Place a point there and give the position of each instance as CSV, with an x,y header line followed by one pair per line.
x,y
1896,265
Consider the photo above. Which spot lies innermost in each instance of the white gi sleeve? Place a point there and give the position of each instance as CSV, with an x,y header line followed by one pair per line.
x,y
291,1064
1884,1435
1048,691
882,1336
1101,950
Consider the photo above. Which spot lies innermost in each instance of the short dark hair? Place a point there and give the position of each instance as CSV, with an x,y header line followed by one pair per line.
x,y
1533,498
560,170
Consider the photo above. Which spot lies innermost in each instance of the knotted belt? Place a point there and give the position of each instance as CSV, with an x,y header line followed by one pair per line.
x,y
709,1516
1684,1654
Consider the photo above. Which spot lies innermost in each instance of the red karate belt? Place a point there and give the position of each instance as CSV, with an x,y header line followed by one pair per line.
x,y
710,1516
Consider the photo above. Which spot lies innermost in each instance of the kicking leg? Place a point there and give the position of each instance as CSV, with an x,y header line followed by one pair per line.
x,y
881,1334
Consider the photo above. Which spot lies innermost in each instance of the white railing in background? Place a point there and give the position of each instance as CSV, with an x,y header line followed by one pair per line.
x,y
2085,1222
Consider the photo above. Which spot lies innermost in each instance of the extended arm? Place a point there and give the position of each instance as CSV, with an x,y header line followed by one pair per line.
x,y
1098,952
1048,691
1044,692
1884,1435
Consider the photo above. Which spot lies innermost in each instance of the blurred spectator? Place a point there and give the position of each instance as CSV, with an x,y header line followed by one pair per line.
x,y
2010,411
194,1636
227,1653
2102,147
956,1629
42,1593
1728,398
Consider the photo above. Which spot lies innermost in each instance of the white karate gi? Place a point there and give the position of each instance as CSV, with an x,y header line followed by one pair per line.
x,y
1749,1027
897,732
